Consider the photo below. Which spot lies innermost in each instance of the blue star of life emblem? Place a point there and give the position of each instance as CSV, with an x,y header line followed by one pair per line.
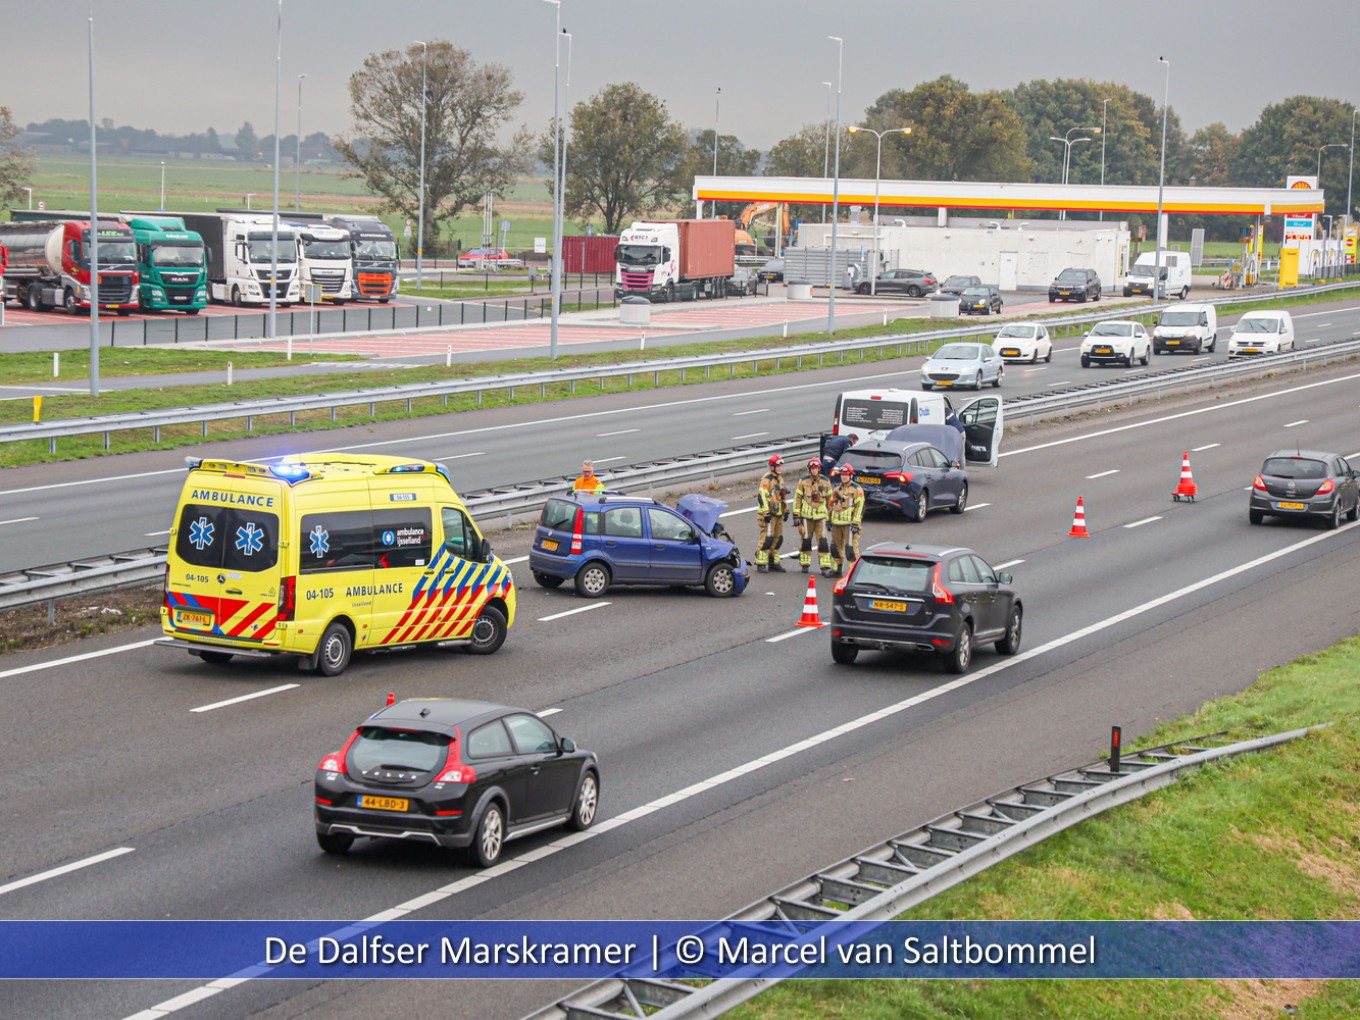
x,y
201,533
250,539
321,541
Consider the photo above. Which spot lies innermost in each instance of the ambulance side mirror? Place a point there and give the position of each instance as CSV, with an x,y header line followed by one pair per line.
x,y
484,551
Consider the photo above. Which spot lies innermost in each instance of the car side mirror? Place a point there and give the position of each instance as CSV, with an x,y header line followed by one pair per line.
x,y
1005,578
568,745
484,551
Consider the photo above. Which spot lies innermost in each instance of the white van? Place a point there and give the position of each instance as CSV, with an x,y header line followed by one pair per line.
x,y
1173,280
1263,332
1186,328
872,414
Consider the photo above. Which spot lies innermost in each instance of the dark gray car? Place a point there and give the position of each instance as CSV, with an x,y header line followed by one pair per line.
x,y
1305,483
911,282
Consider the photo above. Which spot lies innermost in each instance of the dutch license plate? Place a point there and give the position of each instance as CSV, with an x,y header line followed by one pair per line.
x,y
1102,350
866,480
944,382
203,621
1010,352
1251,350
1173,343
888,605
385,803
1292,506
550,545
1064,293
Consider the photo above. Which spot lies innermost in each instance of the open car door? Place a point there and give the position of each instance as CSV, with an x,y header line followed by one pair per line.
x,y
983,425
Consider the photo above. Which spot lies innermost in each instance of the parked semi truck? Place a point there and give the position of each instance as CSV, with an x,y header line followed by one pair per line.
x,y
49,265
376,259
172,263
241,257
670,259
326,258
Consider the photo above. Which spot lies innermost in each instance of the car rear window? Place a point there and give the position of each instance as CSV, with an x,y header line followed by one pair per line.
x,y
872,460
378,747
874,415
558,514
893,573
1294,467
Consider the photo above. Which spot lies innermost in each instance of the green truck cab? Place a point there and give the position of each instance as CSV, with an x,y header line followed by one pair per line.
x,y
172,262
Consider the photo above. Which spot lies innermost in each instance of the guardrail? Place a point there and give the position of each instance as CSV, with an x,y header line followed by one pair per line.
x,y
408,393
896,875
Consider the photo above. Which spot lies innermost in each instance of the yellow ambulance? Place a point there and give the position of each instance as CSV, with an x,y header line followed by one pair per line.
x,y
320,555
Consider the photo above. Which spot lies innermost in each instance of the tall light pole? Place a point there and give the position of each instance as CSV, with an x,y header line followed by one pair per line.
x,y
1161,181
878,173
248,198
1321,150
717,99
297,159
1068,141
161,207
272,331
835,187
94,233
1350,173
555,277
826,144
1104,112
30,197
420,215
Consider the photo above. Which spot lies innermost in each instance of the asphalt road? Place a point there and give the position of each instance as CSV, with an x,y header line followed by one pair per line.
x,y
1164,606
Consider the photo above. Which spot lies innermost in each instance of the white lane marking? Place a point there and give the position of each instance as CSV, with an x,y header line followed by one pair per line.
x,y
605,460
1207,446
18,520
547,712
1301,421
739,772
66,869
743,510
573,612
751,435
244,697
1183,414
1063,382
157,534
517,559
94,481
975,506
620,432
1008,563
462,456
1112,471
792,633
1323,325
1139,524
758,410
19,670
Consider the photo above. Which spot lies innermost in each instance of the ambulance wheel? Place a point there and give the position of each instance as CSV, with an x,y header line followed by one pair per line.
x,y
488,633
334,842
547,580
333,651
216,658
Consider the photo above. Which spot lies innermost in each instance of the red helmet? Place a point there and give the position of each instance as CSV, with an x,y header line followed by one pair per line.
x,y
814,463
776,460
846,469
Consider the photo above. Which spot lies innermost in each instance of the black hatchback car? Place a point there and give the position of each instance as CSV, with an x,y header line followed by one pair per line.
x,y
1075,284
1305,483
980,300
454,773
926,598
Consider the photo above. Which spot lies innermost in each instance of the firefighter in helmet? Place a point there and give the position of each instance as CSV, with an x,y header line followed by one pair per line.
x,y
772,510
846,510
810,500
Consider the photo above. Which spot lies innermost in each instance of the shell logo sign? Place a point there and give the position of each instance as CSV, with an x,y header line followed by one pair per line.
x,y
1299,228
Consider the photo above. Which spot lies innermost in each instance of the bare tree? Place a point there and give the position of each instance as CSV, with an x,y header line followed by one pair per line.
x,y
17,166
466,104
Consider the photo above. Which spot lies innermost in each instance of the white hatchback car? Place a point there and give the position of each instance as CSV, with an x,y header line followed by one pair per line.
x,y
1263,332
1116,340
1023,341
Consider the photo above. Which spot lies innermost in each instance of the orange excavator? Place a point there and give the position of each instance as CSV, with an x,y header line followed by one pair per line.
x,y
780,224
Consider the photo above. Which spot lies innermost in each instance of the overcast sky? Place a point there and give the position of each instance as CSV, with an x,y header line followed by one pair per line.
x,y
185,65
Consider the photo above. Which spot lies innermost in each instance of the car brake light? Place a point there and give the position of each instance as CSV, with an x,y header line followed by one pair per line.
x,y
287,599
165,588
577,524
335,762
1325,487
454,771
900,477
839,589
939,591
1258,484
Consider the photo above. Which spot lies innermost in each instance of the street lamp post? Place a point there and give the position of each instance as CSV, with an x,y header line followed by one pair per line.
x,y
94,232
555,277
716,100
420,200
1068,141
1350,173
835,187
249,196
1161,181
878,173
1104,112
30,194
826,144
272,331
1321,150
161,207
297,159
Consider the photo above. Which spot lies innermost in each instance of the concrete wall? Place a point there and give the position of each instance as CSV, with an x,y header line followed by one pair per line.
x,y
1013,254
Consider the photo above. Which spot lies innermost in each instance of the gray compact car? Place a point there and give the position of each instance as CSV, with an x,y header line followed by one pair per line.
x,y
1308,484
963,365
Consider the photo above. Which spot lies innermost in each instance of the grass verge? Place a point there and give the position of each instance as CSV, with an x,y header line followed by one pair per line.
x,y
1265,836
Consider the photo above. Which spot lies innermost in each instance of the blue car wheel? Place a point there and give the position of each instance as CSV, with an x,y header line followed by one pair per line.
x,y
721,582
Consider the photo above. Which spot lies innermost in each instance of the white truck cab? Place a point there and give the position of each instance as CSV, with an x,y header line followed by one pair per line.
x,y
1171,279
326,259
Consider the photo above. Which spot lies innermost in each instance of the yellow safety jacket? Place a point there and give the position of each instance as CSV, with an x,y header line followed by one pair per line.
x,y
847,504
772,498
810,498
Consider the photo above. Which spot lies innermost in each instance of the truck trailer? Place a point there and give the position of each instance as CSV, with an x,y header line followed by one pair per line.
x,y
49,265
670,259
241,257
172,263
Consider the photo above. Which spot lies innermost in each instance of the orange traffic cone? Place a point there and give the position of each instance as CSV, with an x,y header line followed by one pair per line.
x,y
1079,522
811,618
1187,489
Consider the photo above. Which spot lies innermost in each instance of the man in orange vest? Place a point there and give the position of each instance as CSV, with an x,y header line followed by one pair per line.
x,y
587,482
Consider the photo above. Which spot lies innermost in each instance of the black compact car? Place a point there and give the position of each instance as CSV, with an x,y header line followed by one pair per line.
x,y
928,598
772,271
1075,285
911,282
957,284
456,774
1305,483
742,281
980,301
